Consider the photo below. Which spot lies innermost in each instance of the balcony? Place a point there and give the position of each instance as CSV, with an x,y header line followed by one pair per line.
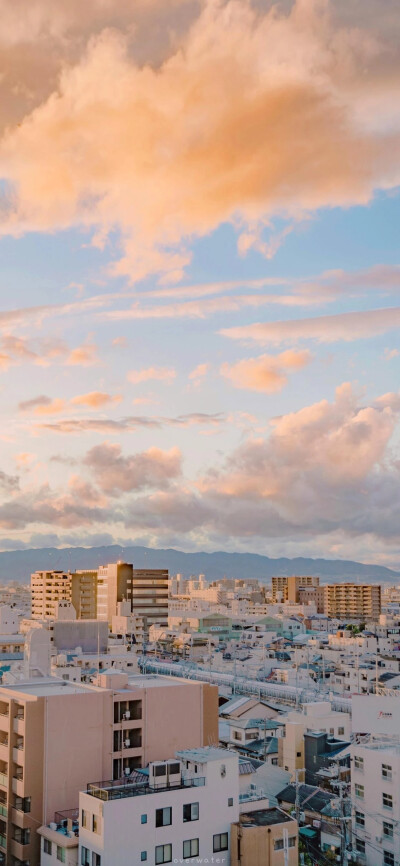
x,y
18,726
3,780
3,841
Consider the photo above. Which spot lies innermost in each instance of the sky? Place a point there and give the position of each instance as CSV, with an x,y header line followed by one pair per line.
x,y
200,276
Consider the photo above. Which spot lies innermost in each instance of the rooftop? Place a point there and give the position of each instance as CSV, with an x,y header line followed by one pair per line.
x,y
205,754
137,785
265,818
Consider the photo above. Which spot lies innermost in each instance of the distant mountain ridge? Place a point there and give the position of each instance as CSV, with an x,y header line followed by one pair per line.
x,y
18,564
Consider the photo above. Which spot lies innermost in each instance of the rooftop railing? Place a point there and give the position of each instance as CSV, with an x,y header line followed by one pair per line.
x,y
118,790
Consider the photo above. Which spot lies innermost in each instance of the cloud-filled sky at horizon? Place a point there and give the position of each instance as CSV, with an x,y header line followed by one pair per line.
x,y
200,275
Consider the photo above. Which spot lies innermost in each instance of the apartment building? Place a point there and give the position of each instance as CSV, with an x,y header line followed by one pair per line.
x,y
56,735
180,811
358,601
114,585
375,790
150,589
265,837
287,588
49,588
145,590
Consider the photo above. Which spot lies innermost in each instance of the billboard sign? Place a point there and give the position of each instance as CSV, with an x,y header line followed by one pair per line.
x,y
375,714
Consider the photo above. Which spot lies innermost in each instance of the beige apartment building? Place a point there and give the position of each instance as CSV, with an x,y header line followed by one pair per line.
x,y
51,587
359,601
146,590
265,837
57,736
287,588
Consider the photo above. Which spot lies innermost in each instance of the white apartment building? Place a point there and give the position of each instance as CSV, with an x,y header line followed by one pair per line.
x,y
376,802
178,811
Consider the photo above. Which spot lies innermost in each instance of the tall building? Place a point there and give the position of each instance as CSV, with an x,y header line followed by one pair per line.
x,y
51,587
376,803
114,584
287,588
55,736
359,601
150,595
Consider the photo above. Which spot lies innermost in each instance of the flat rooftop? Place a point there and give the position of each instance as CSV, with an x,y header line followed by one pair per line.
x,y
45,687
264,817
205,754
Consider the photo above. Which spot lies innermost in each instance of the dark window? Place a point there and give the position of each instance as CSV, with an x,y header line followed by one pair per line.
x,y
388,829
143,819
360,819
220,842
143,856
230,801
47,847
388,858
85,856
191,812
164,817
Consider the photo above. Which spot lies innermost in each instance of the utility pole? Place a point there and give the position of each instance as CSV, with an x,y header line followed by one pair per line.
x,y
297,799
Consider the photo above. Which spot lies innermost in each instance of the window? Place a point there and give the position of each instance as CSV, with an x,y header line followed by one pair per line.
x,y
298,754
143,856
359,791
341,732
358,763
220,842
95,823
85,856
96,859
163,817
163,854
279,844
60,854
47,847
143,819
230,801
360,819
388,858
85,818
388,830
191,848
387,801
360,846
191,812
386,771
331,731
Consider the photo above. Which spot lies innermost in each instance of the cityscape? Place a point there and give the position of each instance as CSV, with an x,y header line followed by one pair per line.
x,y
200,432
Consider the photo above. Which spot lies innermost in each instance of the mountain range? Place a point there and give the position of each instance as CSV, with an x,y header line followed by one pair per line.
x,y
18,564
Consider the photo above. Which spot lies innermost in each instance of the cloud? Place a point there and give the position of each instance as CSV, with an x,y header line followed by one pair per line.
x,y
42,405
129,424
83,356
95,399
243,81
267,373
199,373
160,374
115,473
345,327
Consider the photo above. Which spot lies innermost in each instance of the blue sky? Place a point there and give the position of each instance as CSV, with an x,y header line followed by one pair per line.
x,y
160,379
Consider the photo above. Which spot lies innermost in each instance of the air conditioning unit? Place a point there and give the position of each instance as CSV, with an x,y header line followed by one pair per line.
x,y
127,743
52,825
174,774
127,771
158,774
126,716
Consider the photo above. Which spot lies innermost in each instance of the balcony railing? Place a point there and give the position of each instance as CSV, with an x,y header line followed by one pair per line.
x,y
117,789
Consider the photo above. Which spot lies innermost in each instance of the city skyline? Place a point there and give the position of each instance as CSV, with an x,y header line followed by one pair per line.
x,y
200,277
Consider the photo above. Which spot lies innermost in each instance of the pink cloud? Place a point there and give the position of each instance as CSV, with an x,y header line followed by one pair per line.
x,y
160,374
267,373
239,80
95,399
